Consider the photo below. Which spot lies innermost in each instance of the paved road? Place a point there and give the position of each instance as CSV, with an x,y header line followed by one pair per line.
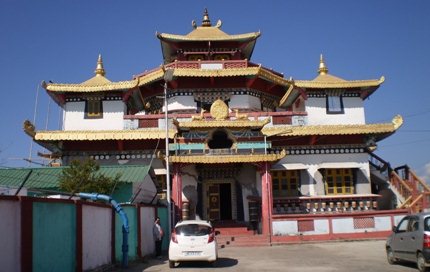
x,y
356,256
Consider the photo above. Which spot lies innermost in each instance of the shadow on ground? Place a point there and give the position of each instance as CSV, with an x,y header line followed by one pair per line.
x,y
220,263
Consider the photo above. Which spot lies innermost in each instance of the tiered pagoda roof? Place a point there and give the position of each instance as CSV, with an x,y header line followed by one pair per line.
x,y
97,84
206,33
325,81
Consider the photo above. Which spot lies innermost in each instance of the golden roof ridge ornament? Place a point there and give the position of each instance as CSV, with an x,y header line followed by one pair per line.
x,y
100,71
322,70
206,21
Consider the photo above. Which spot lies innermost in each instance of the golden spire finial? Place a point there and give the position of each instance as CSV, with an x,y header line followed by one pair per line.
x,y
206,21
100,71
322,70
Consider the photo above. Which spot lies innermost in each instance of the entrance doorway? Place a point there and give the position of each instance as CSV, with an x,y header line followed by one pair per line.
x,y
219,201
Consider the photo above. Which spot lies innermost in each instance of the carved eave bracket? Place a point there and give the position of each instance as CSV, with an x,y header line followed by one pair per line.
x,y
29,128
397,121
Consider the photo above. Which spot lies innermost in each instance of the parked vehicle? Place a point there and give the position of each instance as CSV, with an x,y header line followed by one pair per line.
x,y
193,240
410,241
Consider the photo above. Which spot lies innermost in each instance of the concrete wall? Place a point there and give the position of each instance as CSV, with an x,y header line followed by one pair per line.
x,y
54,236
65,235
333,226
10,235
113,113
317,115
147,245
96,236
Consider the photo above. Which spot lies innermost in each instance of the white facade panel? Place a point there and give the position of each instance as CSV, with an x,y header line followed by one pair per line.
x,y
343,225
113,115
147,217
321,226
383,223
285,228
10,235
317,114
96,236
183,103
248,102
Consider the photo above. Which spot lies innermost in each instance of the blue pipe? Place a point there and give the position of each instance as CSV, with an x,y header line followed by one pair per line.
x,y
124,219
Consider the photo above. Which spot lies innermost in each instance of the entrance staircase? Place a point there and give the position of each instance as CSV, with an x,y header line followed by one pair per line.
x,y
237,234
411,191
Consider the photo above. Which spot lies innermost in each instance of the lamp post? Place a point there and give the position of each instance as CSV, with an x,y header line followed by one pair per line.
x,y
168,76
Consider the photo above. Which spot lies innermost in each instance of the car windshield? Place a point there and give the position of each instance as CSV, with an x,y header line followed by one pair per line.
x,y
193,230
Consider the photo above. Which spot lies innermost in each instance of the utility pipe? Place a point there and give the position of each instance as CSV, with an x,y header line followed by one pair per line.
x,y
124,219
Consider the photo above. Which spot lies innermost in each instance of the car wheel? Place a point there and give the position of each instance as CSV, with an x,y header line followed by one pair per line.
x,y
171,264
421,263
390,256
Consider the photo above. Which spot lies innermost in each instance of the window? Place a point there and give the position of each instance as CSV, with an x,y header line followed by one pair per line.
x,y
334,104
285,183
403,225
93,108
339,181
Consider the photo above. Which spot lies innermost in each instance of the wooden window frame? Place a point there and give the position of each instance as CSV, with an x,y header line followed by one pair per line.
x,y
93,111
285,183
339,181
330,109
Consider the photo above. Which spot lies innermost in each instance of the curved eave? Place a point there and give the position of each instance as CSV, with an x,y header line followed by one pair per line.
x,y
223,123
367,87
103,135
90,88
233,72
221,36
210,159
315,84
383,130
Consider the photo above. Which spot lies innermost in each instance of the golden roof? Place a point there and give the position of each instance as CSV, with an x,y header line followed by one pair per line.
x,y
189,72
98,83
335,129
325,80
210,159
223,123
102,135
207,32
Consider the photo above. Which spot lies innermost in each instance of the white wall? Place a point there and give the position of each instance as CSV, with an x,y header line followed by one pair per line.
x,y
96,236
181,103
317,115
113,114
244,102
147,216
10,235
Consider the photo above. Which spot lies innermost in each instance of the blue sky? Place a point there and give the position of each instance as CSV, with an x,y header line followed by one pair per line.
x,y
60,40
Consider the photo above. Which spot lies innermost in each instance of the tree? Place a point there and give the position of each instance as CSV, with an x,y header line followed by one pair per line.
x,y
83,177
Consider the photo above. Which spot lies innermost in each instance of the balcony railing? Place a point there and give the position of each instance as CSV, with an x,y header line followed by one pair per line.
x,y
157,120
325,204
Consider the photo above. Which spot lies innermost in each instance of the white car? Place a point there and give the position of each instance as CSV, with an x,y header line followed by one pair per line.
x,y
193,240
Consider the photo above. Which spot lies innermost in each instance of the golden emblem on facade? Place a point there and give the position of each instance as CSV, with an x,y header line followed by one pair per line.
x,y
219,110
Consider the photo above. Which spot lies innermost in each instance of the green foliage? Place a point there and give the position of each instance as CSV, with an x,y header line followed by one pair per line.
x,y
83,177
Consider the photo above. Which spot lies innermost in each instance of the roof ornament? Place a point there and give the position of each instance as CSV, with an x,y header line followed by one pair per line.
x,y
100,71
322,70
206,21
218,24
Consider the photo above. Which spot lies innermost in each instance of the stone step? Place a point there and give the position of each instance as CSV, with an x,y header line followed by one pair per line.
x,y
242,240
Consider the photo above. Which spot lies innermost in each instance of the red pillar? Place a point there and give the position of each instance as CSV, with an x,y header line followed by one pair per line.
x,y
177,191
266,199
